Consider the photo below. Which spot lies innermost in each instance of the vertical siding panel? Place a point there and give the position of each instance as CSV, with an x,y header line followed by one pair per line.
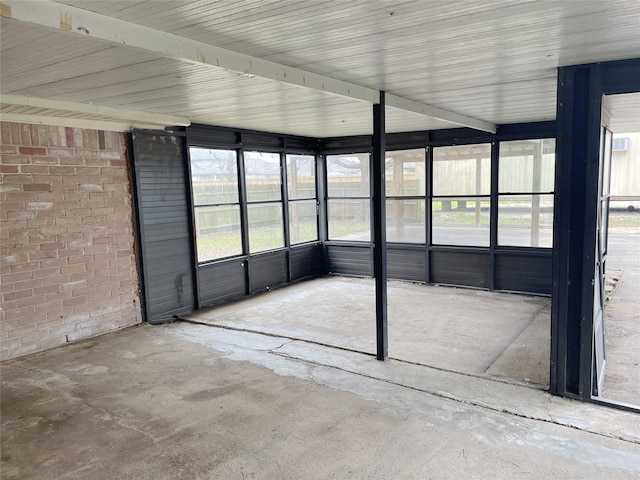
x,y
163,209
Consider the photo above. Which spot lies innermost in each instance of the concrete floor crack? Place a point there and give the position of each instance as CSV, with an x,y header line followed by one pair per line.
x,y
448,396
272,350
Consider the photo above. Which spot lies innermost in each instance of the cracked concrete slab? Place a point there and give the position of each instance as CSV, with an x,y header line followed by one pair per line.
x,y
189,401
463,330
518,400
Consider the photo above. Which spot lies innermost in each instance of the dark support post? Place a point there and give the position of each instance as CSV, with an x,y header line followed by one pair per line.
x,y
284,192
379,230
195,272
493,215
321,196
428,213
575,220
580,91
567,269
244,214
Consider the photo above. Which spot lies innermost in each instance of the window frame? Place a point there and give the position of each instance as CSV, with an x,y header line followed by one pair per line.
x,y
362,198
280,202
478,198
420,197
199,206
533,193
292,202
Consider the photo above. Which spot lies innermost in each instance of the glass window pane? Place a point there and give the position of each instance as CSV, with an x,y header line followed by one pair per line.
x,y
405,221
405,173
525,220
218,232
303,221
265,227
527,166
301,176
214,176
348,175
262,171
606,180
460,221
604,227
462,170
349,220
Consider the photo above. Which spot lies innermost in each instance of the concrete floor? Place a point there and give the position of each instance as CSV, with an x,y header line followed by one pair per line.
x,y
622,319
460,398
490,334
475,332
196,402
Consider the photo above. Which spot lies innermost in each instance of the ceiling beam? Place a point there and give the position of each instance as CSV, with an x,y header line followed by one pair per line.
x,y
71,122
439,113
115,31
120,32
131,116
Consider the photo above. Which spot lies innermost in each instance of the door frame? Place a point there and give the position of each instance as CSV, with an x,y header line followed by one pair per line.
x,y
579,117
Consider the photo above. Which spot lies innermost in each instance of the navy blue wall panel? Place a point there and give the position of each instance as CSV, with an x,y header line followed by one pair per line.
x,y
307,261
471,269
407,264
524,273
267,270
163,212
222,282
350,260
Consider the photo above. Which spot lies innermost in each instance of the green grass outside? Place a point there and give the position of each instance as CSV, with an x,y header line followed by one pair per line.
x,y
346,229
624,219
213,246
225,244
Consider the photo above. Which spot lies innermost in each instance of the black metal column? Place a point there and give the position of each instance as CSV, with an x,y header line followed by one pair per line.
x,y
379,230
428,212
284,193
244,212
580,91
493,215
574,231
321,197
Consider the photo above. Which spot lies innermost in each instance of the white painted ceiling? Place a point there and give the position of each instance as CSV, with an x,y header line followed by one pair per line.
x,y
491,60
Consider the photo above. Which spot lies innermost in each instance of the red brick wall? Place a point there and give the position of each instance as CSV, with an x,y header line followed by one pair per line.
x,y
67,256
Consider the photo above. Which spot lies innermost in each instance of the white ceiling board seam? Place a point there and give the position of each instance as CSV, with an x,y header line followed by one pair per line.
x,y
102,27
